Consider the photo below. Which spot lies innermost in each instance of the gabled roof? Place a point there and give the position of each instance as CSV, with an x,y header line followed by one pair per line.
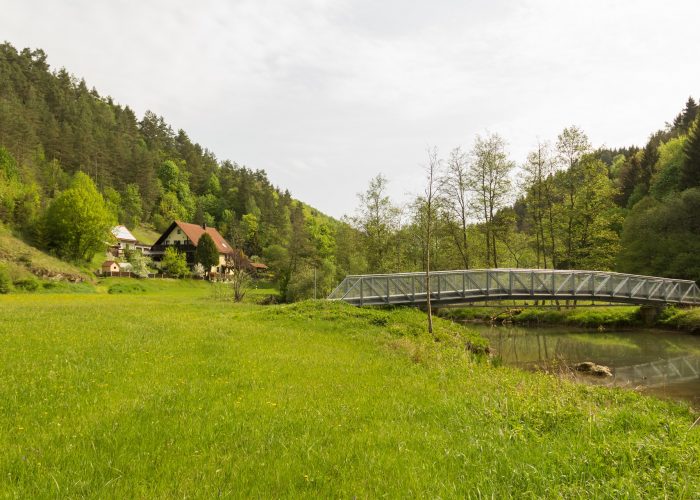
x,y
123,234
108,263
194,232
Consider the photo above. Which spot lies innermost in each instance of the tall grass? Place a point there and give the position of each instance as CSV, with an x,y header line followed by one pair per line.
x,y
168,393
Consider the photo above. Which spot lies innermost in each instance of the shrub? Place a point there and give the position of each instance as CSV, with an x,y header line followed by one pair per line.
x,y
27,284
126,288
4,281
174,263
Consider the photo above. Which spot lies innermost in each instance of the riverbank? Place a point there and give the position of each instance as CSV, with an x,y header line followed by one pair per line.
x,y
175,393
597,317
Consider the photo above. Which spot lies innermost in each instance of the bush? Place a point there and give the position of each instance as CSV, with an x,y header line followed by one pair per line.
x,y
27,284
4,281
67,287
126,288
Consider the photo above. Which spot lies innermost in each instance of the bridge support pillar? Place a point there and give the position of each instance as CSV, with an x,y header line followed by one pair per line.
x,y
650,313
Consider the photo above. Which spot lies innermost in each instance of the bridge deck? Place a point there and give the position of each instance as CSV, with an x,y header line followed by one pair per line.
x,y
465,286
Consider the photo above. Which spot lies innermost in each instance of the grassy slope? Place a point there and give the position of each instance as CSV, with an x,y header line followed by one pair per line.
x,y
172,394
145,234
23,260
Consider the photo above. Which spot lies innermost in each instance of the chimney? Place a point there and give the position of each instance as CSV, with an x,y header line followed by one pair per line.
x,y
204,226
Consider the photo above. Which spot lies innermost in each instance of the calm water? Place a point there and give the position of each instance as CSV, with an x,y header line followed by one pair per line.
x,y
663,363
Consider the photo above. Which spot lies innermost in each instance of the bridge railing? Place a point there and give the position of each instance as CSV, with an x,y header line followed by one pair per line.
x,y
494,284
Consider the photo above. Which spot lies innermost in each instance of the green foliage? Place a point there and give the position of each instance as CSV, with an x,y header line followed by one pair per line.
x,y
690,170
174,263
5,281
663,238
78,221
131,212
118,288
207,254
140,264
376,219
169,175
682,319
8,165
666,179
29,284
583,317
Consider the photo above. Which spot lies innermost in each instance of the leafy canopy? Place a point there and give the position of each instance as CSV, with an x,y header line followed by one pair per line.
x,y
174,263
78,221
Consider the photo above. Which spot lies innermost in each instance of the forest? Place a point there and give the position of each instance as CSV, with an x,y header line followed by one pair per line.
x,y
73,163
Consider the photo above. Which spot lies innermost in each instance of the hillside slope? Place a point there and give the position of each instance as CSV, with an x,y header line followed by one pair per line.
x,y
23,260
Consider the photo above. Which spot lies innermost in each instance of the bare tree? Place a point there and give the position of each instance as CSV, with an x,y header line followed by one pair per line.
x,y
432,171
489,179
456,192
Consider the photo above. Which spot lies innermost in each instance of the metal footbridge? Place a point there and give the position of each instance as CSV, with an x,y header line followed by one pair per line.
x,y
466,286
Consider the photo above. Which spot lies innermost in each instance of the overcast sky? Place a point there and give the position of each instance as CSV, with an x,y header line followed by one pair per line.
x,y
324,95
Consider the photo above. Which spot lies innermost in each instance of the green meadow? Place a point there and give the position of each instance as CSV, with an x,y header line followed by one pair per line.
x,y
167,391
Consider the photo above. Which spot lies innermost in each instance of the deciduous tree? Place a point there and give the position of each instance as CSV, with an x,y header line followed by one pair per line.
x,y
78,221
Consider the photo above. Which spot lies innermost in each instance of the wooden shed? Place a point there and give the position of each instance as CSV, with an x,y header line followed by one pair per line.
x,y
109,266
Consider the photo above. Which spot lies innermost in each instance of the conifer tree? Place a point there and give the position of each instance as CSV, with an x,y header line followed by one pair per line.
x,y
207,254
690,170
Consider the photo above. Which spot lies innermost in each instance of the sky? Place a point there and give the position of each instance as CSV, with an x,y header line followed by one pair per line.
x,y
324,95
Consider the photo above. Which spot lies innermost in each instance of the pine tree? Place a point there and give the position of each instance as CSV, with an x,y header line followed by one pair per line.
x,y
207,254
689,113
690,171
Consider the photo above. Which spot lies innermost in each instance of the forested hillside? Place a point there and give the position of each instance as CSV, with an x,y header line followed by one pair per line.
x,y
53,126
67,150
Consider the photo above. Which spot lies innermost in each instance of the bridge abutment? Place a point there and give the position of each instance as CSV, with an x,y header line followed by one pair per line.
x,y
650,313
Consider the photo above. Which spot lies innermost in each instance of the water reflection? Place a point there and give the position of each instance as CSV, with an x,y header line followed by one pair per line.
x,y
664,363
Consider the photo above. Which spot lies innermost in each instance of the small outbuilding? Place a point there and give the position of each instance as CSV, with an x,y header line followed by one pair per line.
x,y
109,266
257,268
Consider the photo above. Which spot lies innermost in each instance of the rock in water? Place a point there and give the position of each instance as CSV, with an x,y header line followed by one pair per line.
x,y
593,369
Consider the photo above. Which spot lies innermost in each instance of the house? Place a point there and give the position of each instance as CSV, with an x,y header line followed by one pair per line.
x,y
109,267
125,240
184,237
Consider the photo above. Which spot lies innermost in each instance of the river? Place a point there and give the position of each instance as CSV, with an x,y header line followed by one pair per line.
x,y
666,364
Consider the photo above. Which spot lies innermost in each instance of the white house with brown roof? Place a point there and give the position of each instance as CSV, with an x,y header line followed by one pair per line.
x,y
185,236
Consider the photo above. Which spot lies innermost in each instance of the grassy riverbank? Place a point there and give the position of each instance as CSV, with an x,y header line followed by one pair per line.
x,y
581,316
171,393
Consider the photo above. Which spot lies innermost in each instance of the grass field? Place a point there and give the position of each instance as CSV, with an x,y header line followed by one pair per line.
x,y
169,393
